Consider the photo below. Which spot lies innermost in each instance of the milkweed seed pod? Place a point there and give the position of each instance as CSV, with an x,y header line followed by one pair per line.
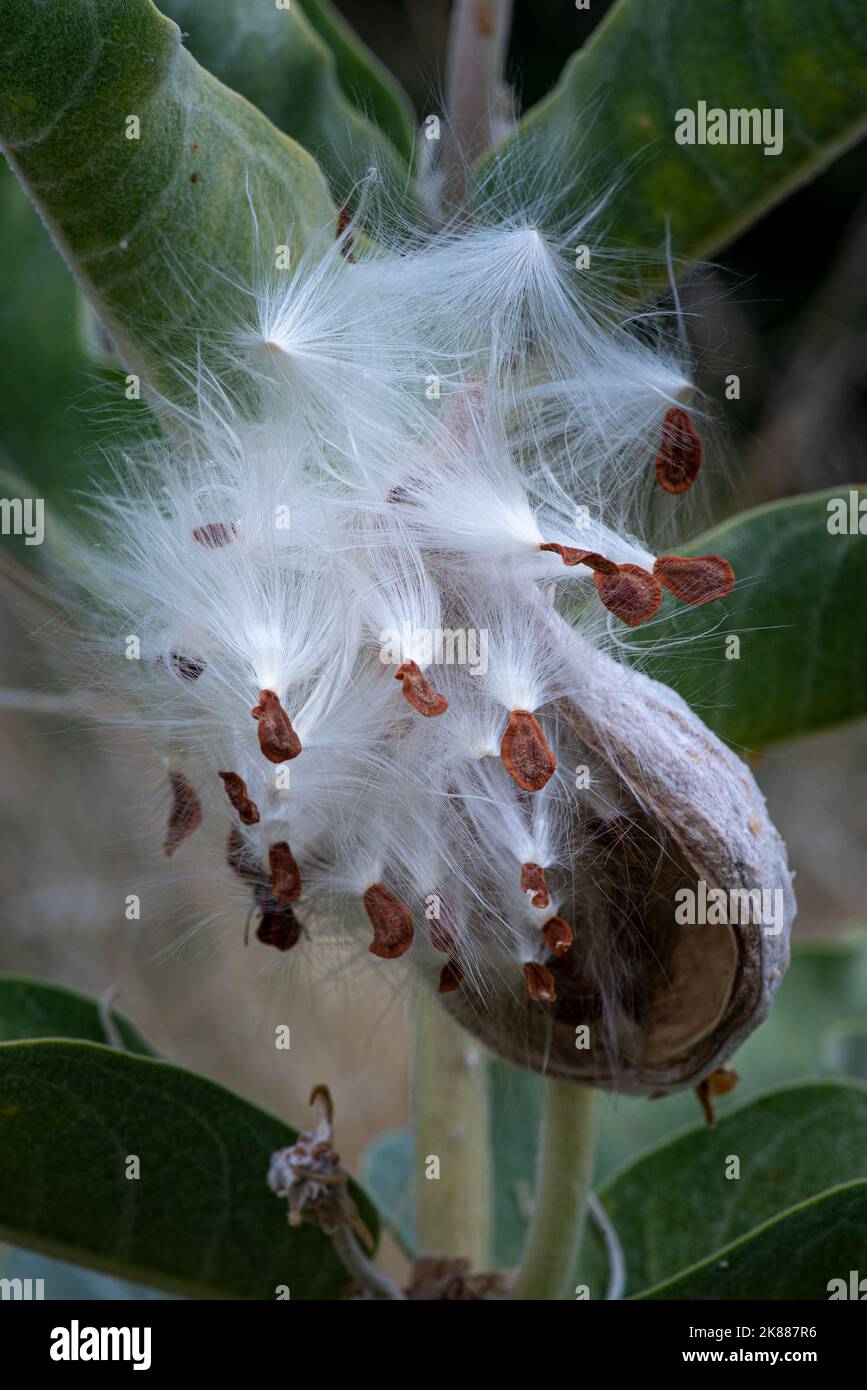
x,y
662,1001
381,608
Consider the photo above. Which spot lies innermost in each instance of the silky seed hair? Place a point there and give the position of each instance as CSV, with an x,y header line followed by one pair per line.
x,y
351,580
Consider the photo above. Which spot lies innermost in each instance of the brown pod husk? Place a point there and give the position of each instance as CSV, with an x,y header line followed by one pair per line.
x,y
689,995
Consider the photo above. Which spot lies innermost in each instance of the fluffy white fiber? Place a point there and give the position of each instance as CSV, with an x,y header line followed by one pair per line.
x,y
428,417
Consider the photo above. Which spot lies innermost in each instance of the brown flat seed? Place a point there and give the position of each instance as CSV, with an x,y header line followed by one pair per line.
x,y
695,578
419,691
236,790
280,928
558,935
533,882
185,814
240,858
277,739
591,558
189,668
451,976
285,874
525,752
632,594
391,920
540,983
215,534
679,458
343,236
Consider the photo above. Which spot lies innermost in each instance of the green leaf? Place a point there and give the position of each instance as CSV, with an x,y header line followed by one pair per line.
x,y
37,1009
280,63
64,1281
797,609
364,79
793,1256
199,1221
49,431
826,980
386,1173
158,229
613,113
674,1205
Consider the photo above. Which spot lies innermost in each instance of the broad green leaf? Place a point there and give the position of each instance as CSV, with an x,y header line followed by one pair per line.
x,y
826,980
363,77
279,62
63,1281
50,428
612,116
797,610
793,1256
674,1205
158,229
386,1173
37,1009
199,1221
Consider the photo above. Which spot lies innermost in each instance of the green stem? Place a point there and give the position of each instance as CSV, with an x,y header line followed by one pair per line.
x,y
564,1173
476,99
451,1136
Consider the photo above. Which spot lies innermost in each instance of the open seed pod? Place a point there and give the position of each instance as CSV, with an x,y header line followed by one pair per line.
x,y
666,1000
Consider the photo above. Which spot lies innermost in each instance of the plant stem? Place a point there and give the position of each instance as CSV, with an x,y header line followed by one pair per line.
x,y
476,98
563,1175
357,1265
451,1125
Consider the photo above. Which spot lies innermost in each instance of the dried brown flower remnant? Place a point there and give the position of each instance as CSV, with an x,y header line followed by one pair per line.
x,y
525,752
719,1083
572,556
185,813
236,790
391,920
533,883
279,927
450,1278
679,458
215,534
695,578
632,594
540,983
419,691
558,935
285,874
277,739
309,1174
451,976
